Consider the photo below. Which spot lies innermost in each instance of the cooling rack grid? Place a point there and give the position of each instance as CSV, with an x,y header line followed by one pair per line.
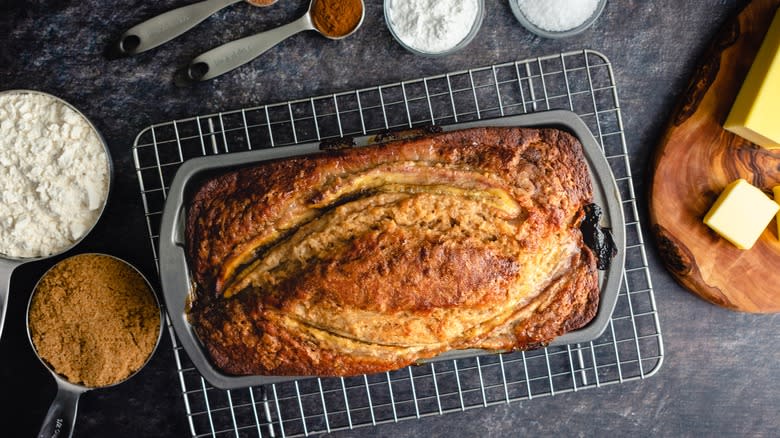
x,y
582,81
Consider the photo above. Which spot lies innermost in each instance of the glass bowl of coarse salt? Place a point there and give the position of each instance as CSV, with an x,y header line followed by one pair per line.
x,y
434,27
557,18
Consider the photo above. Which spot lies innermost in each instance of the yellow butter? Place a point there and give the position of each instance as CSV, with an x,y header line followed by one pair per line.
x,y
741,213
776,189
754,115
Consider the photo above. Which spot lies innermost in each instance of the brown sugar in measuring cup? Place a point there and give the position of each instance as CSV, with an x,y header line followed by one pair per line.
x,y
93,321
336,18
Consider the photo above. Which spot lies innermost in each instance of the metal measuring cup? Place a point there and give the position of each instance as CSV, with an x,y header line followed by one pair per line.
x,y
227,57
61,417
8,263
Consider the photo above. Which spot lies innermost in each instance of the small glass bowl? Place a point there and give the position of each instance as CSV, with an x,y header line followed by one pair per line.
x,y
463,43
554,34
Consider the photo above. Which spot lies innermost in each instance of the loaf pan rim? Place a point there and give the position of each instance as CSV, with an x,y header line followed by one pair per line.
x,y
177,284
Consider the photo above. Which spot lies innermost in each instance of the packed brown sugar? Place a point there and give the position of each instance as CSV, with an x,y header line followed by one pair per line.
x,y
94,320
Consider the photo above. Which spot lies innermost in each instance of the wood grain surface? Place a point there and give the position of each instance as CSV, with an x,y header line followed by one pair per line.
x,y
697,158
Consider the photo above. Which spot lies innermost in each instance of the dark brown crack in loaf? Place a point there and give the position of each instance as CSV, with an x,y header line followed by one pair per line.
x,y
370,259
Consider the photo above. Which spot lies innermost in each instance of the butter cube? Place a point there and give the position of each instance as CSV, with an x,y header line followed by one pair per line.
x,y
741,213
776,189
754,113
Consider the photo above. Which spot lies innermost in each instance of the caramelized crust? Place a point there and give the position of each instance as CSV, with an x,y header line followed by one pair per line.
x,y
370,259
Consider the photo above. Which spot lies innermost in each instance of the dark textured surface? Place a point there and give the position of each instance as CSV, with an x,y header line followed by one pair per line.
x,y
720,373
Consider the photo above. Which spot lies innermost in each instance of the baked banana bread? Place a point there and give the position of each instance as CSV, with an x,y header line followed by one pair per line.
x,y
370,259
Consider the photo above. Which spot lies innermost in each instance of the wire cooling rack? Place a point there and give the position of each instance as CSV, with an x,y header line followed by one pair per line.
x,y
631,348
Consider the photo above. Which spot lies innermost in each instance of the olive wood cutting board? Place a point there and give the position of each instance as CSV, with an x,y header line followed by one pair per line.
x,y
697,158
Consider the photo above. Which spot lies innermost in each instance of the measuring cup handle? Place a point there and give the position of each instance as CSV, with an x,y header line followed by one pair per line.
x,y
61,417
165,27
6,269
236,53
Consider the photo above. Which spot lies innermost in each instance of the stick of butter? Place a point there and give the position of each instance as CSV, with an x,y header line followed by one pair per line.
x,y
741,213
754,114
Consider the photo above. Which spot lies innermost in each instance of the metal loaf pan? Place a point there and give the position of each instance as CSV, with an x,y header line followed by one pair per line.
x,y
177,284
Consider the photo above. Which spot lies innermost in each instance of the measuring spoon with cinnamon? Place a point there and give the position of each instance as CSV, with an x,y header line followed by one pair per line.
x,y
333,19
167,26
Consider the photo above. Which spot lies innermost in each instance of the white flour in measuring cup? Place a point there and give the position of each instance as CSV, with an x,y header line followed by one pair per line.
x,y
54,175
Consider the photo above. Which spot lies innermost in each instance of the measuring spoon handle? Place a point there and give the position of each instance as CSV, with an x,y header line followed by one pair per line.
x,y
165,27
61,417
229,56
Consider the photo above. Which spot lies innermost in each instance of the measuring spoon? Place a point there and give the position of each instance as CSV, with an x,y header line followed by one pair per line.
x,y
165,27
61,417
236,53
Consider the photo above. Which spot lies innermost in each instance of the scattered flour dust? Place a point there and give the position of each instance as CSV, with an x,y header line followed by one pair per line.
x,y
53,175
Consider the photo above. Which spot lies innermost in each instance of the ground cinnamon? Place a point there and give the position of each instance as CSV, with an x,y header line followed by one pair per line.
x,y
336,18
94,320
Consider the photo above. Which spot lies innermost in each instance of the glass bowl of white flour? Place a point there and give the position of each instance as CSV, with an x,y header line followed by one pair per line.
x,y
55,176
434,27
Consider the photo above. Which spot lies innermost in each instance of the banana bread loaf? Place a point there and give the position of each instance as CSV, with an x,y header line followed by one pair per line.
x,y
370,259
